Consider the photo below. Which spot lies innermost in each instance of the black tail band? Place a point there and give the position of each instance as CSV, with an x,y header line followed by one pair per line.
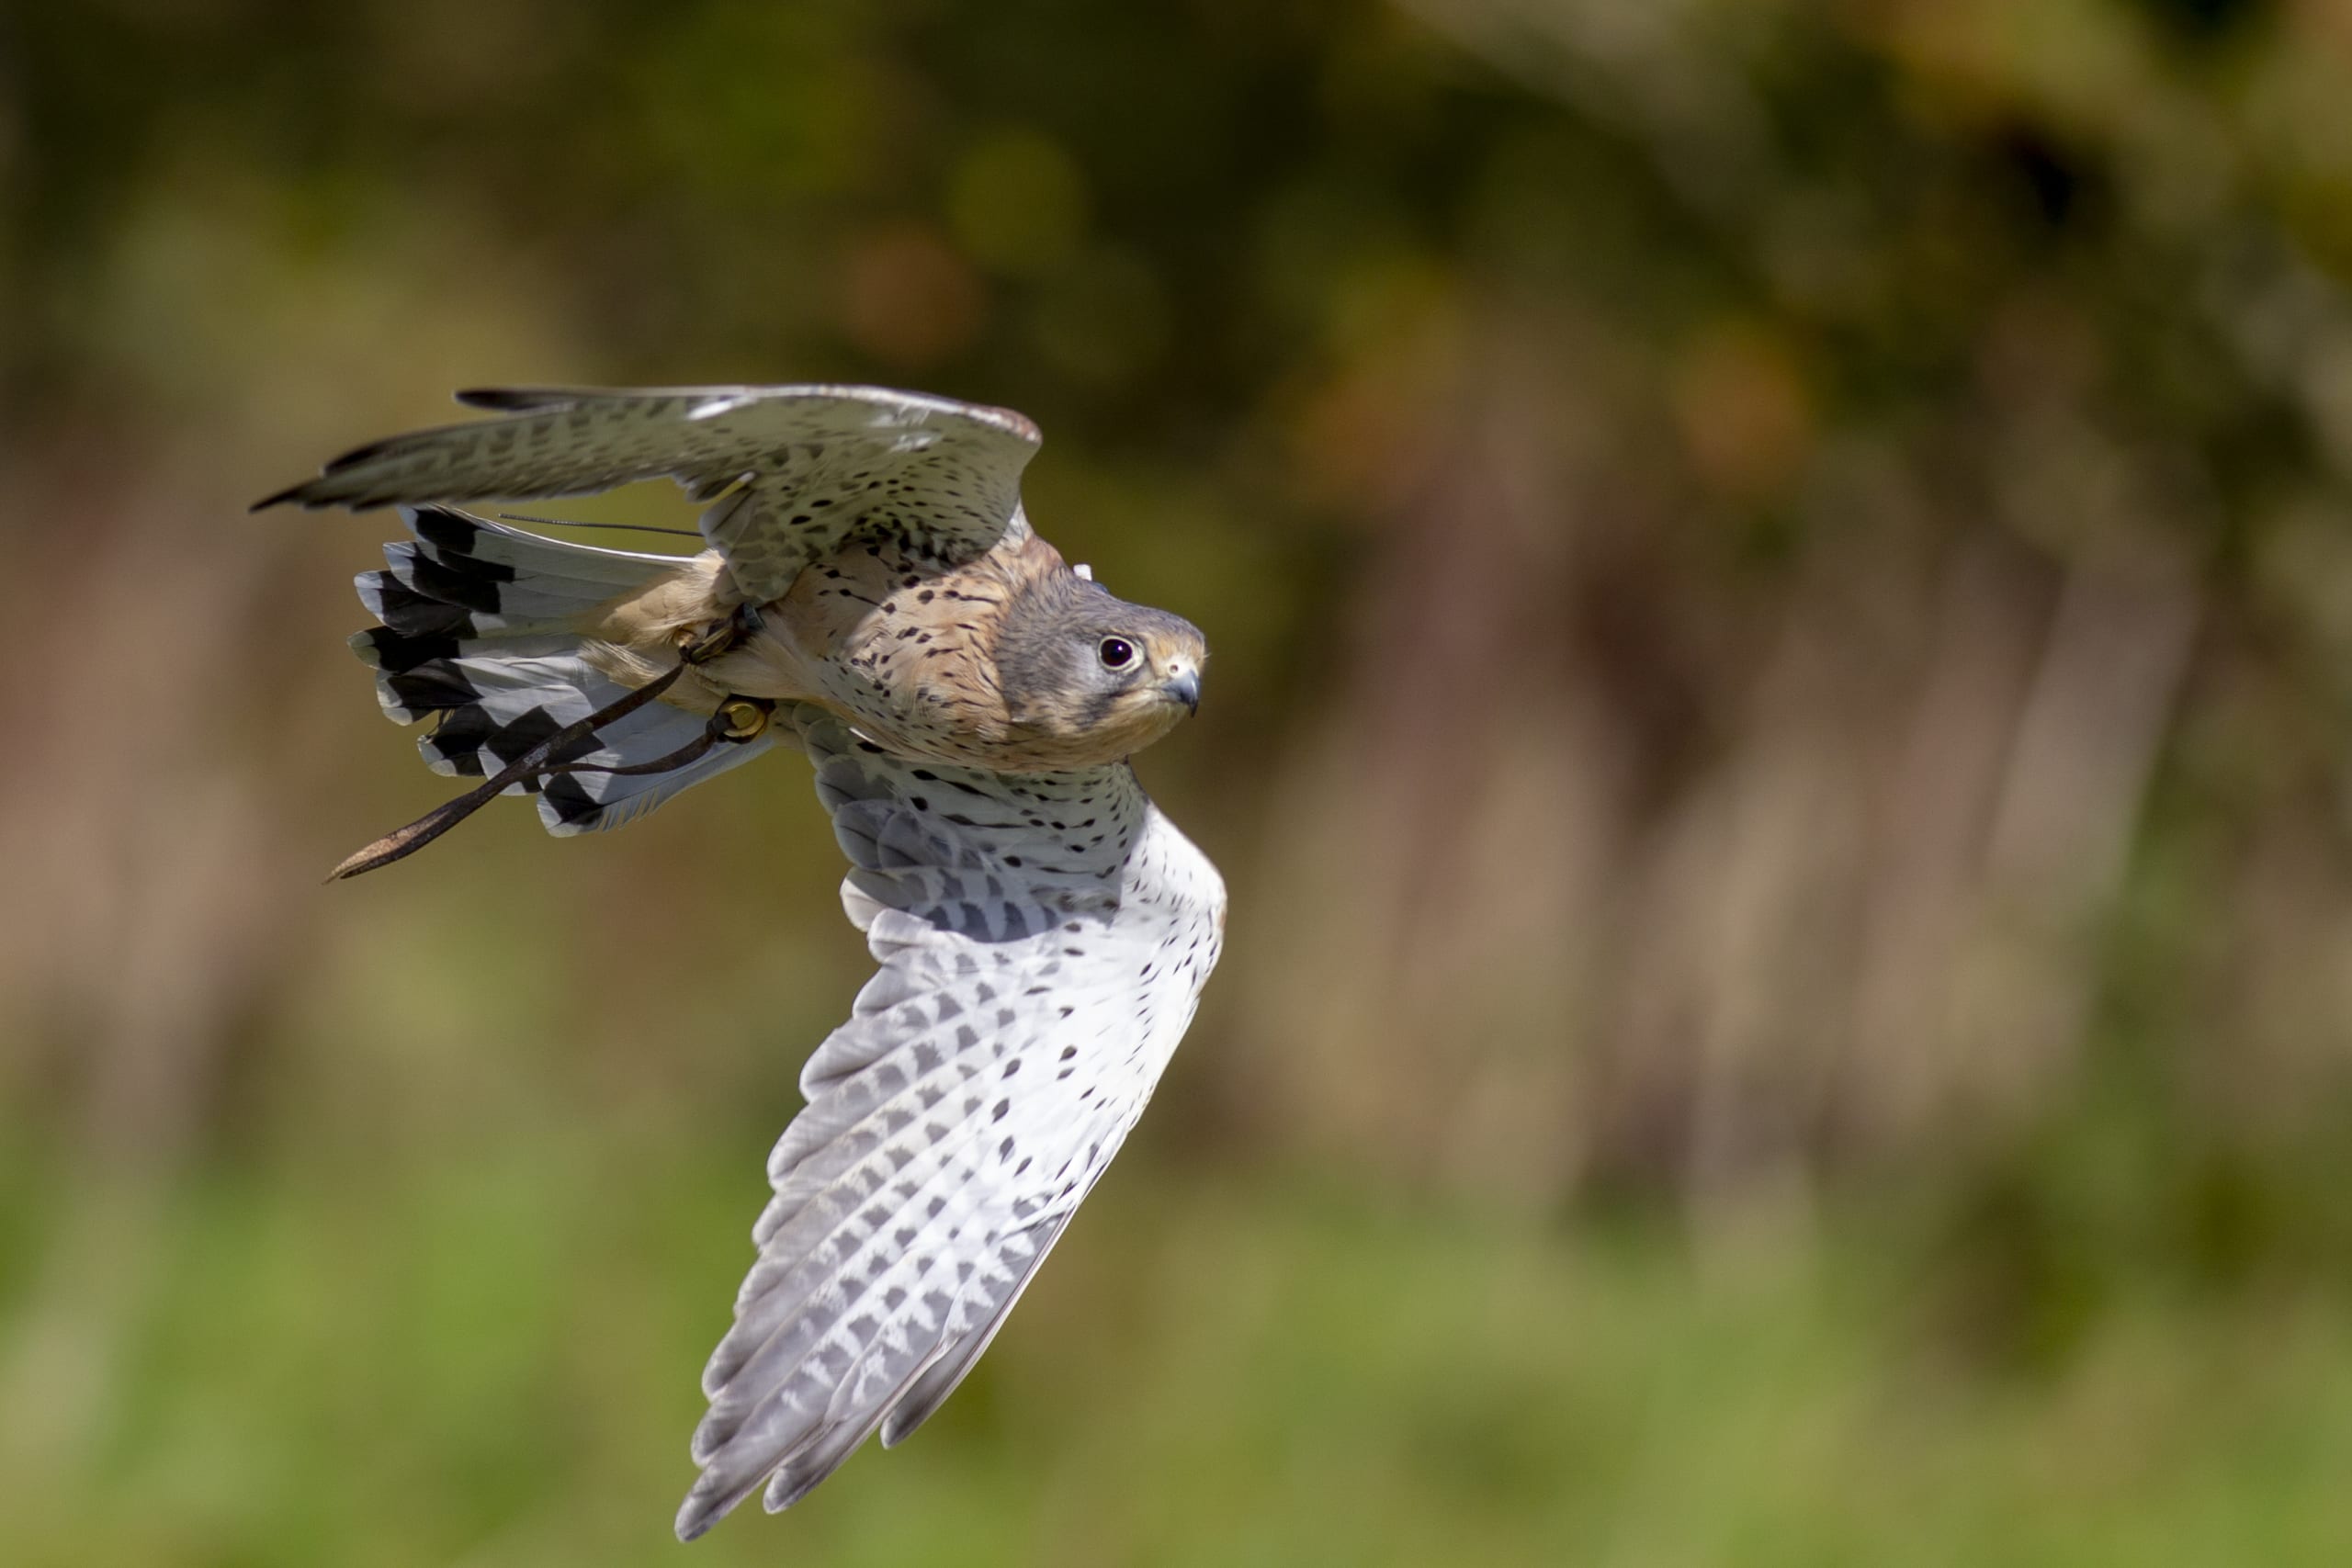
x,y
731,723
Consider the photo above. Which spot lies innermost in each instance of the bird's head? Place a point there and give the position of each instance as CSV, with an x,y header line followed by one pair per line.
x,y
1087,677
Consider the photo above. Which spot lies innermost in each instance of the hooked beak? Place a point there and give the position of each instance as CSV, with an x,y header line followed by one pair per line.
x,y
1185,687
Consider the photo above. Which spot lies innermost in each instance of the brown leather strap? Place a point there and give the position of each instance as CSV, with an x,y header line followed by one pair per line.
x,y
728,724
737,719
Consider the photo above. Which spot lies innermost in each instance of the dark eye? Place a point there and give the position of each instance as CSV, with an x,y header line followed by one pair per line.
x,y
1118,652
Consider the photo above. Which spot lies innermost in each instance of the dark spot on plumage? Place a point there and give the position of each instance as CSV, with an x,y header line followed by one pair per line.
x,y
412,614
475,586
430,687
449,530
570,798
464,734
391,652
528,730
465,762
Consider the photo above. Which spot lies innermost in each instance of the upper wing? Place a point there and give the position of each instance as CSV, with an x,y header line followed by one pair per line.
x,y
1043,943
795,470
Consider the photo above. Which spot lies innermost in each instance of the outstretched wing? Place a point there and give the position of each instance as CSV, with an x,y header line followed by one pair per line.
x,y
1043,944
794,470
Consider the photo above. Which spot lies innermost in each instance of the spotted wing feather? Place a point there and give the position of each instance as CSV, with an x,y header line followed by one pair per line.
x,y
792,471
1043,943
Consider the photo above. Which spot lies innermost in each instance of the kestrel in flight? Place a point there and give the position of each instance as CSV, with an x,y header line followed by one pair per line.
x,y
873,597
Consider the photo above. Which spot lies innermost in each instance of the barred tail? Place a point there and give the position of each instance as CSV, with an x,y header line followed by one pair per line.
x,y
484,628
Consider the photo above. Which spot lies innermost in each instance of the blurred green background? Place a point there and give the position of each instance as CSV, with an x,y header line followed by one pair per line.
x,y
1782,583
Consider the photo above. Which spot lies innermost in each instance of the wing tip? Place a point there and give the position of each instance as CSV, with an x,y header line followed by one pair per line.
x,y
512,399
317,494
786,1489
1012,422
695,1517
299,494
710,1500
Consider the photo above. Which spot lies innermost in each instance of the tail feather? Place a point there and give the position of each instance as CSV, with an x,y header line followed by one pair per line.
x,y
483,631
466,576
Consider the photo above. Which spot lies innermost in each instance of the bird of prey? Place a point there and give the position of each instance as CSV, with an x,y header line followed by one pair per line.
x,y
874,597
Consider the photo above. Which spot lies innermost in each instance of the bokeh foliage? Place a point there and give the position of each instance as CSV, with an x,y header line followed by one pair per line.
x,y
1780,573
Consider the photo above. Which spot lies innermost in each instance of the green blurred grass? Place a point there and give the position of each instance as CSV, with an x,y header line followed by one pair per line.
x,y
491,1359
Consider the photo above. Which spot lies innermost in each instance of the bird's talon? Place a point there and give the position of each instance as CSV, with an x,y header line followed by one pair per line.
x,y
700,645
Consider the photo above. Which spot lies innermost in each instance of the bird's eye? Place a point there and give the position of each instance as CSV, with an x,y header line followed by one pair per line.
x,y
1116,652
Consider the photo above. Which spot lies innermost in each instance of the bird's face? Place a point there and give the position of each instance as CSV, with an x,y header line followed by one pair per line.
x,y
1090,678
1134,663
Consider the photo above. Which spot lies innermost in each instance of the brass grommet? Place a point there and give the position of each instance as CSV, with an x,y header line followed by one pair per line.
x,y
741,718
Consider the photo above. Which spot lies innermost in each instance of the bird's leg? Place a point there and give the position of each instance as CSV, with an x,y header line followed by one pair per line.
x,y
721,635
738,719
